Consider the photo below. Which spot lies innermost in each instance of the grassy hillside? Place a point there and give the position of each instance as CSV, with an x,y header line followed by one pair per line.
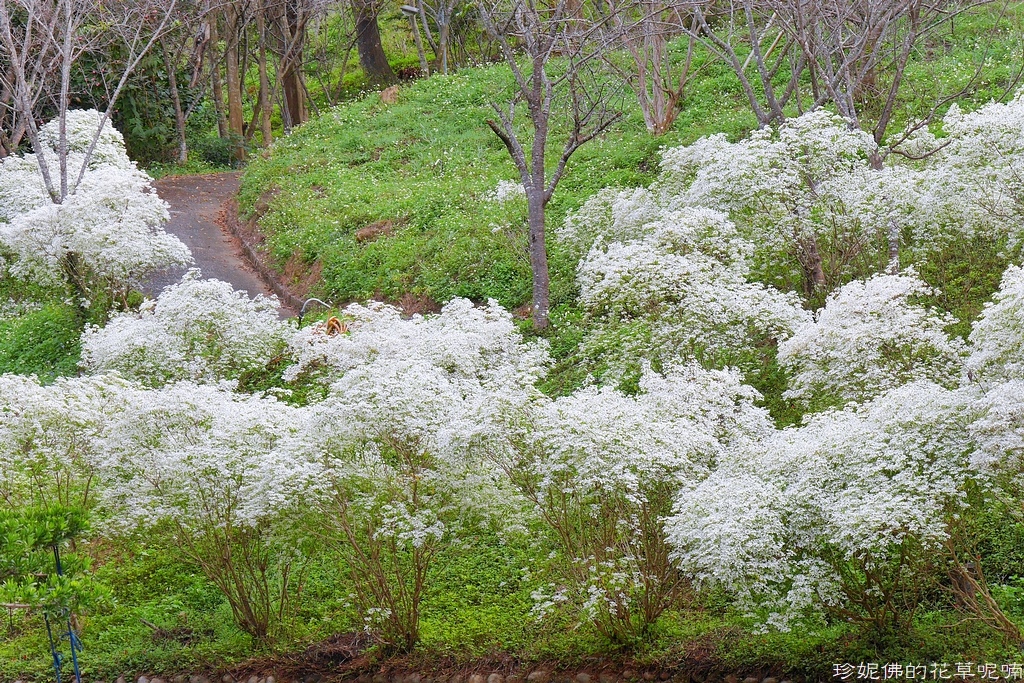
x,y
424,165
417,172
413,176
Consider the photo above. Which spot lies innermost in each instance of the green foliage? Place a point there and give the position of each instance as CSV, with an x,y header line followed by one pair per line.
x,y
44,342
30,543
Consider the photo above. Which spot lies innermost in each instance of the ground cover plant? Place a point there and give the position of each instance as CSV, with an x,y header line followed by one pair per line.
x,y
768,431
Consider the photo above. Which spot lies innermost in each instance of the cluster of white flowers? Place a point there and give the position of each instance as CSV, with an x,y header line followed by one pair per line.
x,y
436,388
110,224
203,456
200,330
430,424
786,184
601,468
870,337
974,181
791,522
506,191
678,289
50,437
815,188
997,339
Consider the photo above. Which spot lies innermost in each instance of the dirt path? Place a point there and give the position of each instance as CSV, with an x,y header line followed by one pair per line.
x,y
197,203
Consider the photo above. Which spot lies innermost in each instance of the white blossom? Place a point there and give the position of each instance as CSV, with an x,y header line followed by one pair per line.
x,y
790,523
202,330
202,456
602,468
110,225
50,450
997,338
679,290
975,178
870,337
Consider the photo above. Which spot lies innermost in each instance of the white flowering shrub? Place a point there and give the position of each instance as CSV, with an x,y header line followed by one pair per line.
x,y
975,178
806,187
999,428
601,469
677,290
21,182
50,451
199,330
477,345
840,516
997,338
106,234
611,215
80,130
205,460
870,337
21,187
405,442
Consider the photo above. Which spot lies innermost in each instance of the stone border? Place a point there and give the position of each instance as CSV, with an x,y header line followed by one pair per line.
x,y
256,261
535,676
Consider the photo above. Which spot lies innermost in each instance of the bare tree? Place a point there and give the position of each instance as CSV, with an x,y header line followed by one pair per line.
x,y
561,49
729,29
645,29
443,13
857,52
41,41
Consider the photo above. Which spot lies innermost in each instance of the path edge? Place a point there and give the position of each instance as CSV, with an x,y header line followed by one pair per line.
x,y
256,260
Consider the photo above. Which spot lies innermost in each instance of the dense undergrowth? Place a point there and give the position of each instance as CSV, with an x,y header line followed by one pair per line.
x,y
419,172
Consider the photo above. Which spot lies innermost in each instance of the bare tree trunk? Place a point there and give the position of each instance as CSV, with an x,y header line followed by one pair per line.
x,y
424,67
371,52
291,79
443,31
539,260
265,105
179,115
812,264
589,113
236,123
218,89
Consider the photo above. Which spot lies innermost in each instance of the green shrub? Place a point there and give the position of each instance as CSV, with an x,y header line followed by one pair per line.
x,y
44,342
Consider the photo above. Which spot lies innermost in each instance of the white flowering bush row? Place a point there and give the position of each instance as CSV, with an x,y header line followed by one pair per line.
x,y
106,235
431,426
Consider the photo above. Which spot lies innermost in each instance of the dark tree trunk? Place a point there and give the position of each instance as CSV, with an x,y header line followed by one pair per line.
x,y
265,104
179,115
233,21
539,260
218,89
371,52
291,79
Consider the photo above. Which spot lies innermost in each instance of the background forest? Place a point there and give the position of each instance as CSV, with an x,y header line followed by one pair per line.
x,y
683,335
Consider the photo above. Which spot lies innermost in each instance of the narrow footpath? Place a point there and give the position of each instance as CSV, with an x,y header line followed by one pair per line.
x,y
197,205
